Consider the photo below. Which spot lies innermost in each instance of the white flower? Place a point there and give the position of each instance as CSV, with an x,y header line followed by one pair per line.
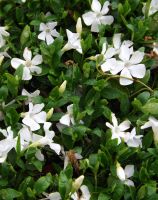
x,y
153,8
129,65
3,34
74,39
30,65
125,174
153,123
98,16
48,32
6,144
27,138
118,131
68,118
30,95
85,194
133,140
34,116
115,48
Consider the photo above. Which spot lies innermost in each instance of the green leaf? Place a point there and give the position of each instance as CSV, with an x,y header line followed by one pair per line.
x,y
43,183
9,194
151,107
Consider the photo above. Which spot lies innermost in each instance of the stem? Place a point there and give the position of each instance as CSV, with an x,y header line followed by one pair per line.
x,y
118,76
96,181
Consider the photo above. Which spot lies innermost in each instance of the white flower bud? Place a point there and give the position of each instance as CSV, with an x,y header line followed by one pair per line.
x,y
120,172
62,87
49,113
79,26
77,183
1,59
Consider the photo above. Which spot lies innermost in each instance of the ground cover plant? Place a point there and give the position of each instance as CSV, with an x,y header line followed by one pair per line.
x,y
78,99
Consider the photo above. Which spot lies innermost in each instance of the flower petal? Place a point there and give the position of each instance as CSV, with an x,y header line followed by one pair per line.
x,y
26,74
137,57
16,62
129,182
125,125
125,81
124,53
54,33
43,27
106,20
117,40
36,108
105,8
137,71
27,54
96,6
37,60
40,117
65,119
31,123
36,69
42,36
108,65
129,171
39,155
55,147
51,25
88,18
49,39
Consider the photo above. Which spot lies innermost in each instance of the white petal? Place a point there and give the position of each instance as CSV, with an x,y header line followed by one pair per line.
x,y
117,67
16,62
137,71
96,6
124,53
42,36
109,125
137,57
129,171
40,117
3,158
117,40
37,60
120,172
106,20
36,108
105,8
108,65
66,161
43,27
25,134
26,74
31,123
146,125
55,147
49,39
125,125
54,33
114,120
65,119
25,93
54,196
88,18
129,182
52,25
36,69
78,156
85,193
124,81
39,155
109,53
27,54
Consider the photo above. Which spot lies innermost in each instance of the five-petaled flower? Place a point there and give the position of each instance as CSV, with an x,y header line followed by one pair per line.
x,y
30,65
74,39
30,96
98,16
48,32
68,118
34,116
118,131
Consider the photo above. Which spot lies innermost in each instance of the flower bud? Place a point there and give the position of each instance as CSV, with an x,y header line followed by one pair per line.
x,y
62,87
49,113
120,172
1,59
77,183
79,26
